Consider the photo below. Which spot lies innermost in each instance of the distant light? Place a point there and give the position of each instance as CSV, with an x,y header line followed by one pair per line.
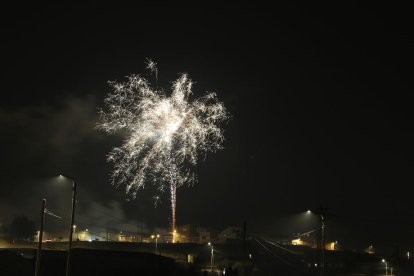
x,y
158,236
250,255
308,211
224,271
74,226
86,230
408,254
209,243
383,260
316,265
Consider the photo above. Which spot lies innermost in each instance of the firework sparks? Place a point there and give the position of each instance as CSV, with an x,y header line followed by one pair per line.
x,y
152,66
157,200
165,134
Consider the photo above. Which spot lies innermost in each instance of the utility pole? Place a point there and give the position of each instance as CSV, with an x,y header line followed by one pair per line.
x,y
322,213
39,247
72,221
323,244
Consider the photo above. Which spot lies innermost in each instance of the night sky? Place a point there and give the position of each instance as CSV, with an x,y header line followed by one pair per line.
x,y
319,97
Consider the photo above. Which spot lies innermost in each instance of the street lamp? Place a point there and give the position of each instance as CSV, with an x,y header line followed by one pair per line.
x,y
72,224
386,266
323,244
211,256
370,249
174,234
156,241
321,213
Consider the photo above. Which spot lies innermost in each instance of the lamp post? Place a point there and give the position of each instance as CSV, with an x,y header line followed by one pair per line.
x,y
321,212
40,236
156,241
370,249
211,256
72,222
386,266
323,244
74,232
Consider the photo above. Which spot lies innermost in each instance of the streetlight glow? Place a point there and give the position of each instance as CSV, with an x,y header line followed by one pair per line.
x,y
212,256
72,222
156,241
386,266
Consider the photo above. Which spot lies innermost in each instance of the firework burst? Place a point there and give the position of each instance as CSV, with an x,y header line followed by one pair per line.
x,y
165,134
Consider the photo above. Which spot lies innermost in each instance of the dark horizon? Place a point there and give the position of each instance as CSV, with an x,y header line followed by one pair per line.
x,y
318,95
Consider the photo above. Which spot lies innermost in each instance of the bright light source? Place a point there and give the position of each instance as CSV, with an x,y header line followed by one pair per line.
x,y
209,243
383,260
308,211
165,132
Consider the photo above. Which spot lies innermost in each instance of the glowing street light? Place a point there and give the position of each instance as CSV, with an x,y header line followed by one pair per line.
x,y
156,241
174,234
74,232
386,266
321,213
371,249
211,256
72,224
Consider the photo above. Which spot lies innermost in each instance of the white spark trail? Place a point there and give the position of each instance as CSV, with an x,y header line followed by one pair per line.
x,y
165,134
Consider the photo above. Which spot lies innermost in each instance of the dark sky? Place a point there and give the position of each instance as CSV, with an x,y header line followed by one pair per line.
x,y
319,98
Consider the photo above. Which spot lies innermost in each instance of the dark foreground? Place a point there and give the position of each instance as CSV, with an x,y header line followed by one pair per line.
x,y
92,262
260,258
